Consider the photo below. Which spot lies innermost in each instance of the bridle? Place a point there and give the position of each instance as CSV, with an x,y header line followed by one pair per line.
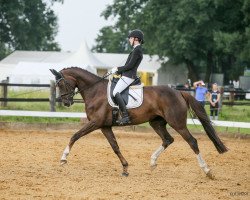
x,y
71,89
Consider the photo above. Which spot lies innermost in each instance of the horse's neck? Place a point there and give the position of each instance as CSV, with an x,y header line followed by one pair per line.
x,y
94,91
86,78
88,84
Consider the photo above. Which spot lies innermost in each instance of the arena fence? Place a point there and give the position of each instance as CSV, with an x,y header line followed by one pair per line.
x,y
4,94
83,115
52,99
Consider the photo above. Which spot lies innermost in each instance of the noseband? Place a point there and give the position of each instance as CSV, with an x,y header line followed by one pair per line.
x,y
69,88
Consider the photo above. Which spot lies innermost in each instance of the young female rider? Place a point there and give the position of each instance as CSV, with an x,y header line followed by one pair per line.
x,y
128,72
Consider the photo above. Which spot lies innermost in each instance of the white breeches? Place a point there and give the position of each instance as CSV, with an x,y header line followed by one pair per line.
x,y
123,83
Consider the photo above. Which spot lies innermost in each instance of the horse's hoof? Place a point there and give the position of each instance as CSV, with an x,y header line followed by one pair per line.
x,y
63,162
152,167
125,174
210,174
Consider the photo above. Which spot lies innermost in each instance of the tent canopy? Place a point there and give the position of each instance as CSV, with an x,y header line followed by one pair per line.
x,y
28,66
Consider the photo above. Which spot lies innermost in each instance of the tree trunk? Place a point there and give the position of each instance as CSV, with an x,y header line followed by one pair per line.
x,y
209,66
192,74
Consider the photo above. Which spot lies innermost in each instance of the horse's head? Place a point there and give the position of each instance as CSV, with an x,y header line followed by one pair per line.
x,y
66,85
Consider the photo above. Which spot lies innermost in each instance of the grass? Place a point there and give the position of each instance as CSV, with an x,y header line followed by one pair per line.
x,y
235,113
38,119
38,106
230,130
239,113
42,106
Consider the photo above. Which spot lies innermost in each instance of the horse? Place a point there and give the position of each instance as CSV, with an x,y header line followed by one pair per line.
x,y
161,105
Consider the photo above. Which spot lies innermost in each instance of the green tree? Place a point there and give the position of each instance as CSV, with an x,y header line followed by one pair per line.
x,y
27,25
244,54
208,35
231,37
181,32
112,39
187,30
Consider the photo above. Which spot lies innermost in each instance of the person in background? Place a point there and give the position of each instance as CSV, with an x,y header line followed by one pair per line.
x,y
214,99
200,92
186,85
236,83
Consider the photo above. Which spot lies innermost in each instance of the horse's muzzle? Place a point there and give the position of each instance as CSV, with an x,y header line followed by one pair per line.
x,y
68,102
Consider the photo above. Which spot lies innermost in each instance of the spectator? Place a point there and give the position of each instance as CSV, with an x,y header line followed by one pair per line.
x,y
236,84
200,92
187,86
214,99
231,84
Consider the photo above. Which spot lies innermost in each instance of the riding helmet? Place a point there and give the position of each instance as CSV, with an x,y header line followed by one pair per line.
x,y
137,34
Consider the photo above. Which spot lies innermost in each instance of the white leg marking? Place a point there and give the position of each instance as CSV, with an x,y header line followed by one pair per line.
x,y
65,153
202,164
155,155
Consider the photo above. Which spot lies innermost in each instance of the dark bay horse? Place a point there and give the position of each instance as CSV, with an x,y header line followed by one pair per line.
x,y
161,106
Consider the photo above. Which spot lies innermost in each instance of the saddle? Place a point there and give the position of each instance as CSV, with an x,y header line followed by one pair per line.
x,y
132,95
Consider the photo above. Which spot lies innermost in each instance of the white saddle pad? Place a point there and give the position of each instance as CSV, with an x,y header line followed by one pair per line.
x,y
135,97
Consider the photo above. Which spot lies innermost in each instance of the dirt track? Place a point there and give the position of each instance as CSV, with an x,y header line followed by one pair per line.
x,y
29,164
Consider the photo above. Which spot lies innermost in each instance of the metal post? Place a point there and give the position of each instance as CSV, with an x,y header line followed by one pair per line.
x,y
52,96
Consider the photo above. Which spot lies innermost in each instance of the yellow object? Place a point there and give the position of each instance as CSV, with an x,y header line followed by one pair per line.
x,y
117,76
146,78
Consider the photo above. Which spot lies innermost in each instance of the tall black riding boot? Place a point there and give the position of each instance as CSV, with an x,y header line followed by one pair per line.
x,y
124,113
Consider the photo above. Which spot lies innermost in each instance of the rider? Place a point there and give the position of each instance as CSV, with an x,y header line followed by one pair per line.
x,y
128,72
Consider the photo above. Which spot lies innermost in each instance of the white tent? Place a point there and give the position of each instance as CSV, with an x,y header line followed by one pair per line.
x,y
84,58
33,66
33,72
4,71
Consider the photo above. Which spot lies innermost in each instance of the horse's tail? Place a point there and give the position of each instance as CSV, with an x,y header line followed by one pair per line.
x,y
205,121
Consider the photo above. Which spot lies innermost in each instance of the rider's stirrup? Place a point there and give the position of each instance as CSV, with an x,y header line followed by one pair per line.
x,y
124,120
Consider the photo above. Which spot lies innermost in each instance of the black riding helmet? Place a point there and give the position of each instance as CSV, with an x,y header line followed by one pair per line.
x,y
137,34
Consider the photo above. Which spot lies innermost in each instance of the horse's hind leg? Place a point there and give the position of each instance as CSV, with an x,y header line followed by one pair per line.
x,y
159,125
107,131
194,146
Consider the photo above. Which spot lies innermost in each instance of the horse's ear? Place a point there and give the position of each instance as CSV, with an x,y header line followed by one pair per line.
x,y
57,74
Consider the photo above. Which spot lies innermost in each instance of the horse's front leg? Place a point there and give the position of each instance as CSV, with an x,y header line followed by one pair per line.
x,y
89,127
107,131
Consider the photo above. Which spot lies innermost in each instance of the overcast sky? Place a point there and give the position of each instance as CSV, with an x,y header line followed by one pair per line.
x,y
79,20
